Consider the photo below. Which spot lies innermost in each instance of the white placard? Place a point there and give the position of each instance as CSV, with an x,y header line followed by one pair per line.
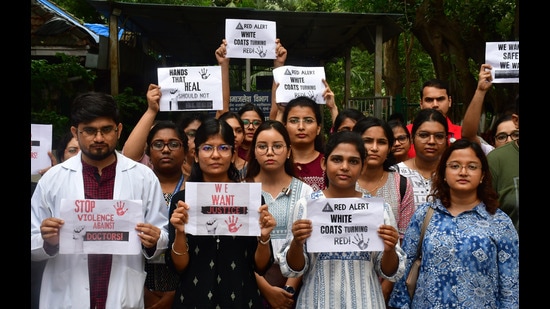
x,y
345,224
504,58
297,81
223,208
41,143
190,88
100,226
249,38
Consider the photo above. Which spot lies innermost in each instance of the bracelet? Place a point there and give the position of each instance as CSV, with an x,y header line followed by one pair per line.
x,y
264,242
180,254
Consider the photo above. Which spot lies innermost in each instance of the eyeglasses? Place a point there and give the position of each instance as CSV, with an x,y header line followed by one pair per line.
x,y
223,150
455,166
191,133
92,132
401,139
424,137
172,145
254,123
263,149
502,137
306,120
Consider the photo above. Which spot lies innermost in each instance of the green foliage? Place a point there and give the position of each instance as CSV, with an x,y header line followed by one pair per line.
x,y
131,108
53,87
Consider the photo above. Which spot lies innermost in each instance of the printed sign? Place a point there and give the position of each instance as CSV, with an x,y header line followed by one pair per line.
x,y
100,226
504,58
248,38
190,88
41,143
299,82
345,224
223,208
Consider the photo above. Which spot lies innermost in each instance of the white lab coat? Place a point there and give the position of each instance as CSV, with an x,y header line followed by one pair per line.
x,y
65,283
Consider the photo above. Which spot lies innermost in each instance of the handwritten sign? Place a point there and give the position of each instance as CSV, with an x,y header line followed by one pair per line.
x,y
345,224
504,58
248,38
100,227
190,88
223,208
41,143
299,82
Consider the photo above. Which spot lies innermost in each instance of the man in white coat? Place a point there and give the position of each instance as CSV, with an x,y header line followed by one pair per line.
x,y
97,172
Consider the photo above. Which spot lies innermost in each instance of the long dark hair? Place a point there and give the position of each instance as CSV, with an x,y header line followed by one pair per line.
x,y
364,124
485,191
253,165
208,128
307,102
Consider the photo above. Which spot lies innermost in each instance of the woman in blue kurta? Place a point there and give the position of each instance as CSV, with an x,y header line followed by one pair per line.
x,y
470,252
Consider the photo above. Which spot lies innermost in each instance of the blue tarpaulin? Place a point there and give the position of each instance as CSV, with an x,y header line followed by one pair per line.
x,y
102,29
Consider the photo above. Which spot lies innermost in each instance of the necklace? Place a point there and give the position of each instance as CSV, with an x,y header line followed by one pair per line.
x,y
378,185
419,171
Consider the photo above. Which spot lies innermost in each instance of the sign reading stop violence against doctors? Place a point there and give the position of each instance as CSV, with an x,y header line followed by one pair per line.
x,y
100,227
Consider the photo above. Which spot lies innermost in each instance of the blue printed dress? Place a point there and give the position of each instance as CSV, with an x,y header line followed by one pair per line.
x,y
334,280
468,261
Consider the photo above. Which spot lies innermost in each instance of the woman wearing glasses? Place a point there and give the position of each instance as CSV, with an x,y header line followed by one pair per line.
x,y
505,130
166,149
470,251
429,135
252,116
402,140
271,164
216,271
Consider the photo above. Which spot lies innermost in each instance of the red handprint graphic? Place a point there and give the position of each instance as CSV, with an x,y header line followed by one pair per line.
x,y
120,208
232,224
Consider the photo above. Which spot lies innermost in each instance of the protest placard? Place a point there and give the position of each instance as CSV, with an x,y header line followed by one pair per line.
x,y
223,208
504,58
345,224
41,143
100,226
190,88
249,38
295,81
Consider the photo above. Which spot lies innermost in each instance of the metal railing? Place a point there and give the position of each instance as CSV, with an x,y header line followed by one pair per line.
x,y
381,107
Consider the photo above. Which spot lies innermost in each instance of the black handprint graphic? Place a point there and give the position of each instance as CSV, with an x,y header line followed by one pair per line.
x,y
204,73
359,241
261,52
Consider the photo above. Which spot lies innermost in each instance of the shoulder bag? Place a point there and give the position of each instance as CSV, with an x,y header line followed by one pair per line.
x,y
415,267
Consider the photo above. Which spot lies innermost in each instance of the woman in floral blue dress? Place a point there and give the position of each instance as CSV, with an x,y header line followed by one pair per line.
x,y
470,252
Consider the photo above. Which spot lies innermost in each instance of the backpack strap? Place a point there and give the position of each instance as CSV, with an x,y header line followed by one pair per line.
x,y
402,186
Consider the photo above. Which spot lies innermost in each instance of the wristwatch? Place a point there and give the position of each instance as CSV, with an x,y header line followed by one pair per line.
x,y
289,289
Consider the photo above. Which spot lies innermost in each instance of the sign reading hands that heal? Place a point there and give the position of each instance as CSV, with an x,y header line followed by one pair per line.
x,y
345,224
100,227
223,208
248,38
299,82
190,88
